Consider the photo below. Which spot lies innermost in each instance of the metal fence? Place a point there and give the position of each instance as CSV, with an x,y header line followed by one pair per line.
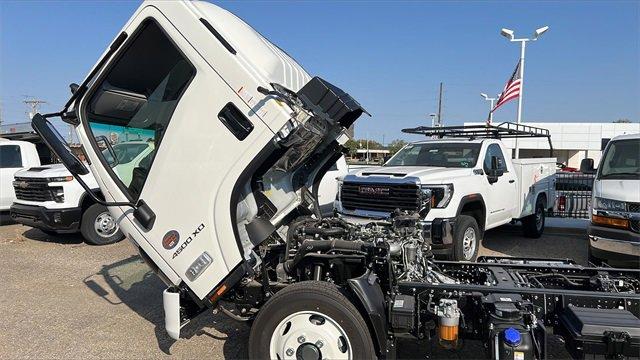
x,y
573,195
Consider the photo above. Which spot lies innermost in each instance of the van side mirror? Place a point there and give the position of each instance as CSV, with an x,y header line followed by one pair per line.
x,y
586,166
73,87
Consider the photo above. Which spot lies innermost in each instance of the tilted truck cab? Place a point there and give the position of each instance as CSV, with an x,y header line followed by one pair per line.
x,y
225,209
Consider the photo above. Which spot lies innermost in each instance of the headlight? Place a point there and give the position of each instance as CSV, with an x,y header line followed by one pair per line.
x,y
60,179
609,204
440,194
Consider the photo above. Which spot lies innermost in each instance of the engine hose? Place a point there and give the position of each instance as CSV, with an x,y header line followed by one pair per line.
x,y
309,246
334,231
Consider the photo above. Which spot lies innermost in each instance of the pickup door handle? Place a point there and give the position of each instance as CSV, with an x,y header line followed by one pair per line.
x,y
511,181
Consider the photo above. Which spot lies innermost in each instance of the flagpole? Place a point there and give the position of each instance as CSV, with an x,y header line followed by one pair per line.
x,y
519,121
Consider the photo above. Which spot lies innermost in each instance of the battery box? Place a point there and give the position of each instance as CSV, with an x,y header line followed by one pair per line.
x,y
403,311
611,332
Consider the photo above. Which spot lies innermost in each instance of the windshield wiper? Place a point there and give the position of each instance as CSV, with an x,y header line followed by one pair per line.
x,y
621,174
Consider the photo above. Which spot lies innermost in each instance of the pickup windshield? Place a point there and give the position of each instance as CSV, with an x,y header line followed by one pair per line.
x,y
621,160
451,155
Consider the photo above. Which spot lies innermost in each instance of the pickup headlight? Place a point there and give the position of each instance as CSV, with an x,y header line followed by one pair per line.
x,y
60,179
440,194
609,204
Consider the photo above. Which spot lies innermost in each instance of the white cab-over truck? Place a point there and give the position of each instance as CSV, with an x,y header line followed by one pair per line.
x,y
15,155
461,186
226,209
50,199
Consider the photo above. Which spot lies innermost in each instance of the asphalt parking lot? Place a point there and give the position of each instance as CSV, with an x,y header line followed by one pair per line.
x,y
61,298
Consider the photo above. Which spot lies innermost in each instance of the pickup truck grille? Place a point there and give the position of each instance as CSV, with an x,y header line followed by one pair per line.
x,y
34,189
380,197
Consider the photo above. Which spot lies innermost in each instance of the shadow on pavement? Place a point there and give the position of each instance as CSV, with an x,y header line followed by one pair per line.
x,y
39,235
132,283
509,240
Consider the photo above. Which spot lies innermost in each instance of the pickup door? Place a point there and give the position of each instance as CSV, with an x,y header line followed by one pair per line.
x,y
500,196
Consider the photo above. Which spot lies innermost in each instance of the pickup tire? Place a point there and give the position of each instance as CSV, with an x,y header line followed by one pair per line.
x,y
98,227
310,319
466,239
533,225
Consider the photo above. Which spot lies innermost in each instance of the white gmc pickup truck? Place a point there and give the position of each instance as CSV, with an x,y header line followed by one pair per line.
x,y
461,188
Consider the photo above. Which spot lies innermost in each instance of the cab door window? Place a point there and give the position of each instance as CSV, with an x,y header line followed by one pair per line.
x,y
133,103
494,150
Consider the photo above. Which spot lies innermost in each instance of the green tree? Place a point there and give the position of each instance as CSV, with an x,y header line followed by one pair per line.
x,y
396,145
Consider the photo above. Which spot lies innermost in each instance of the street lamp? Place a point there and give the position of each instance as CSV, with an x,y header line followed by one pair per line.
x,y
433,119
491,101
509,34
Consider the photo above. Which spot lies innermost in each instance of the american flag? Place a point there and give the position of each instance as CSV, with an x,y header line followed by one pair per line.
x,y
511,88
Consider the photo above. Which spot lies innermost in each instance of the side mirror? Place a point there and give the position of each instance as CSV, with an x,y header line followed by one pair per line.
x,y
73,87
586,166
496,169
58,145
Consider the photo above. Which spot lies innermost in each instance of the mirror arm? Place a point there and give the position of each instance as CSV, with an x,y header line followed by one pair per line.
x,y
96,199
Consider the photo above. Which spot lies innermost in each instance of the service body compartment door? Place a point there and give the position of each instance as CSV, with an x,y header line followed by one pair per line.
x,y
158,88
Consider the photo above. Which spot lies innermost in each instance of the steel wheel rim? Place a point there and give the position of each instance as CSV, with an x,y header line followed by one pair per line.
x,y
105,225
312,334
468,243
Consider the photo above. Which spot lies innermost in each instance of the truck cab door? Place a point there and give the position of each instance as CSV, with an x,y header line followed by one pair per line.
x,y
500,184
158,88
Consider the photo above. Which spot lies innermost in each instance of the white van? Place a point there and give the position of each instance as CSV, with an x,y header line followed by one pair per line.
x,y
614,231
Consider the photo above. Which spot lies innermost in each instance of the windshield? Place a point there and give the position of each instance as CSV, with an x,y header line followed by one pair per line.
x,y
125,153
621,160
451,155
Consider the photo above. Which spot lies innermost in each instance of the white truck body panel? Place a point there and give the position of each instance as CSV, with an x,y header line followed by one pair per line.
x,y
28,157
536,176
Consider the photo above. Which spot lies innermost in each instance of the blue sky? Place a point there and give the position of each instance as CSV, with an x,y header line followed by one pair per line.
x,y
389,55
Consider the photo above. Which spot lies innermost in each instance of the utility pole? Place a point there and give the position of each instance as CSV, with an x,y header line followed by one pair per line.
x,y
33,104
440,106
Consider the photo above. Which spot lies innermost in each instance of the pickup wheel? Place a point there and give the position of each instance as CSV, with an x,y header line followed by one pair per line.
x,y
466,239
98,227
533,225
310,320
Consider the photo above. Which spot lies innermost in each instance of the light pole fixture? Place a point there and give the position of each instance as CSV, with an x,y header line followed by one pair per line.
x,y
509,34
491,101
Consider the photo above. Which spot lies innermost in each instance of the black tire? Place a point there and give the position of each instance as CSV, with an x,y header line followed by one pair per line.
x,y
462,225
317,296
531,227
88,230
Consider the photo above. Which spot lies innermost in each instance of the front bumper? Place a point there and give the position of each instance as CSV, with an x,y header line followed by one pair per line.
x,y
56,220
440,232
614,244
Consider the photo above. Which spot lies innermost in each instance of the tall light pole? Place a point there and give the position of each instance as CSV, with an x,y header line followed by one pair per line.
x,y
523,44
491,102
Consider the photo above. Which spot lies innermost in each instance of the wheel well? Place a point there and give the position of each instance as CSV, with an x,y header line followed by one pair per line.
x,y
543,195
476,210
88,201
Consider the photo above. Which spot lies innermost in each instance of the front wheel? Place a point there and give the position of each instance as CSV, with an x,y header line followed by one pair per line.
x,y
98,227
466,239
310,320
533,225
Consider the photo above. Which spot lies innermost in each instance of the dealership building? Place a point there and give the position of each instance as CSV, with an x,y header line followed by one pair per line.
x,y
572,142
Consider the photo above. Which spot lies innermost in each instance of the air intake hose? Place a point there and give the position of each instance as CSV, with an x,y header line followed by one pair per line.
x,y
311,246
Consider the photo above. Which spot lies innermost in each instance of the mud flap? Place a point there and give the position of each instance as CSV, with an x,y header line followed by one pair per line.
x,y
368,291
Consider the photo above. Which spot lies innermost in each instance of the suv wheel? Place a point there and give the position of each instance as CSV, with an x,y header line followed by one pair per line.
x,y
98,227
